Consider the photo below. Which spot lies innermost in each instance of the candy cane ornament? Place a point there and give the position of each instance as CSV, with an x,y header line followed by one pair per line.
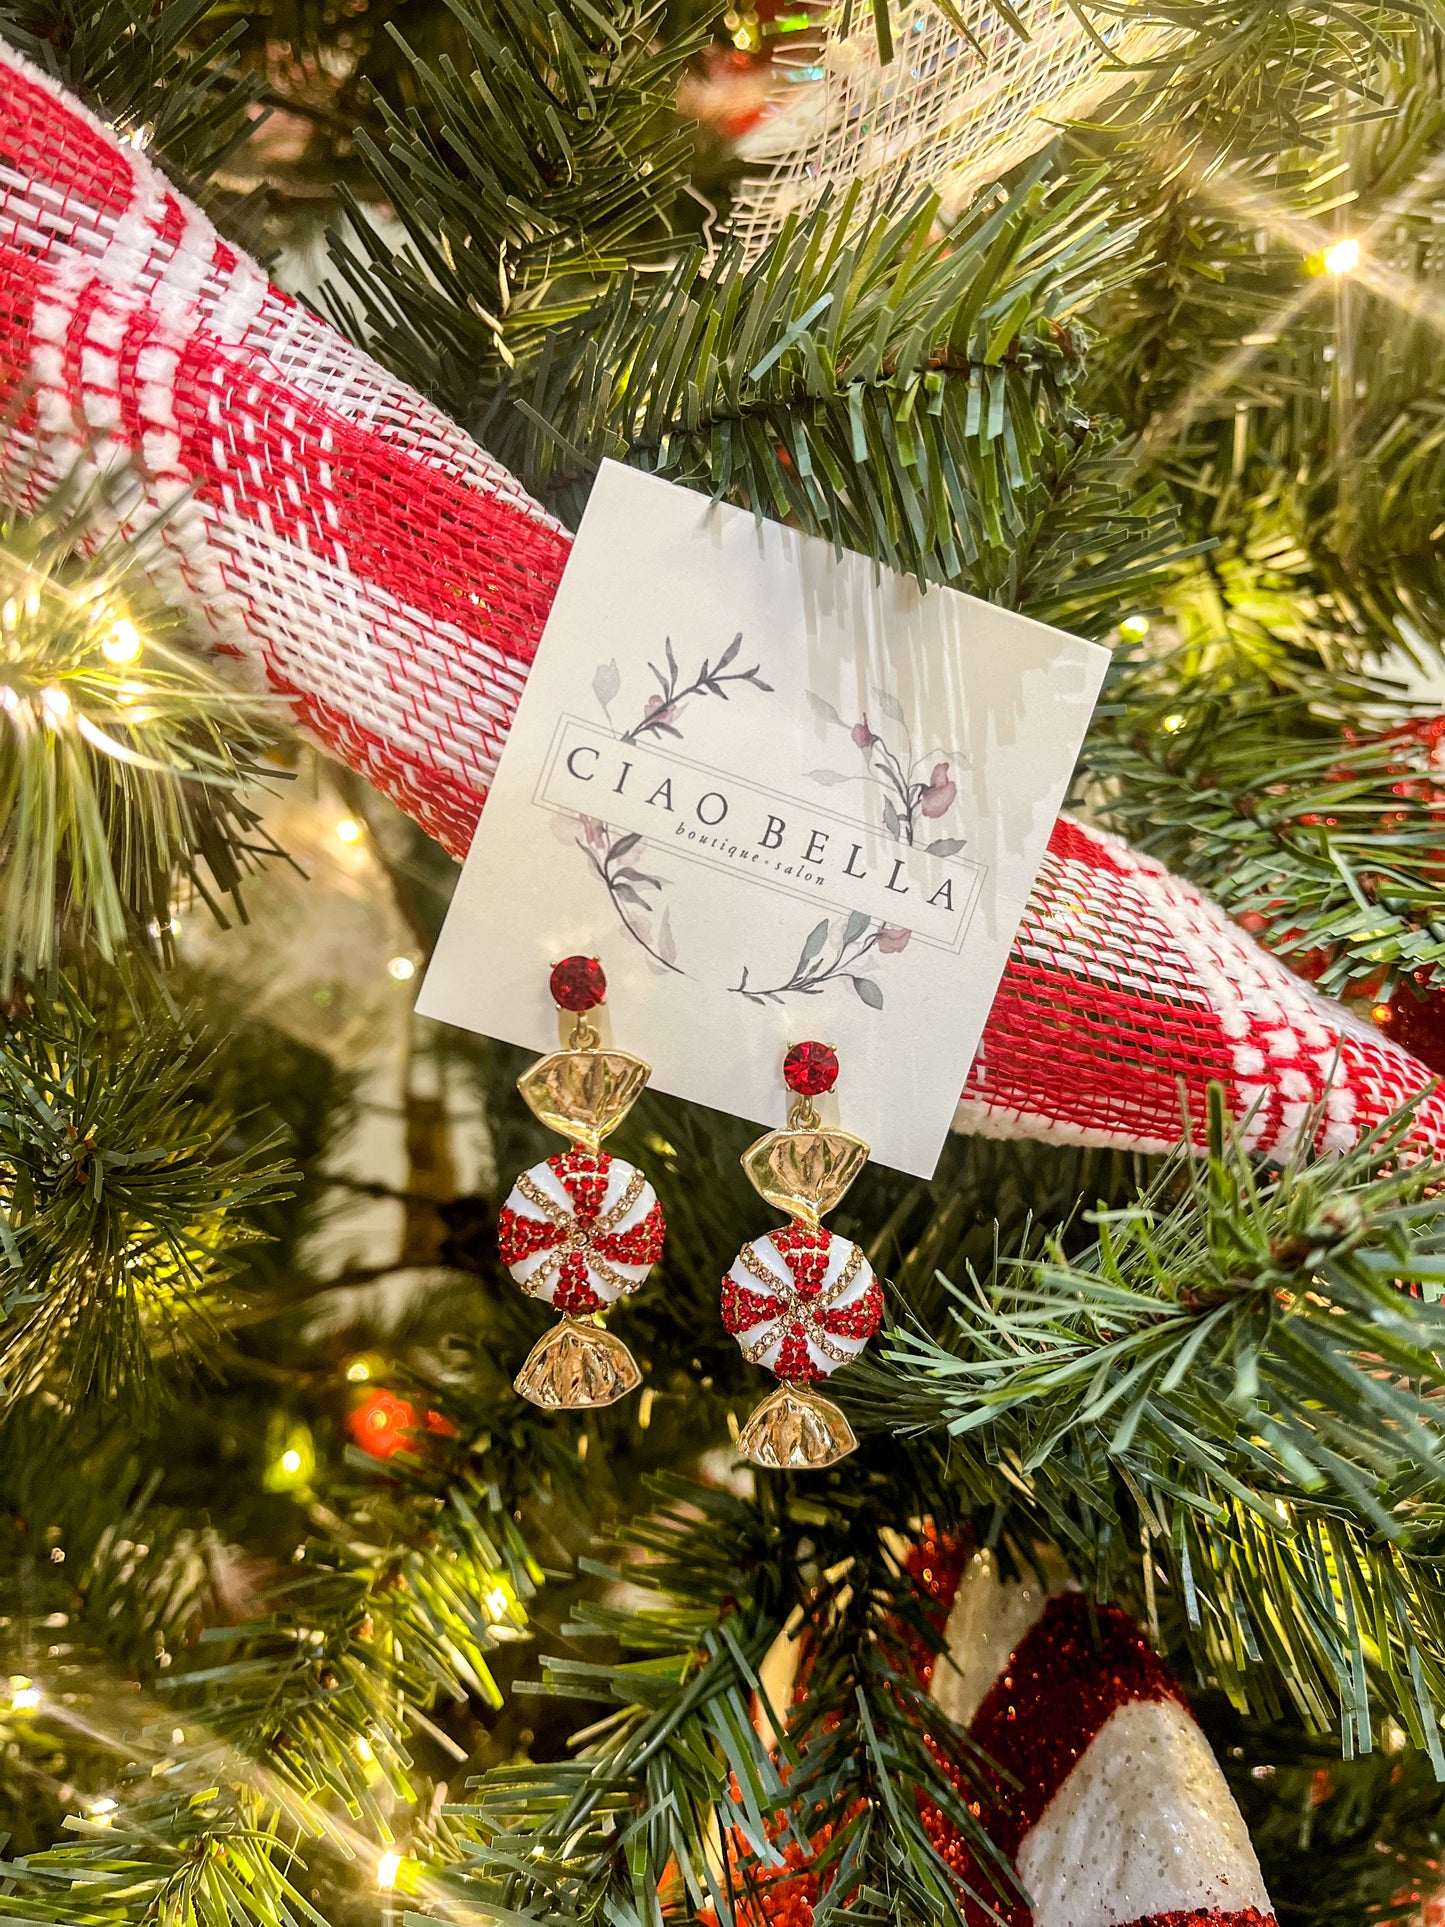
x,y
354,550
1094,1779
1110,1803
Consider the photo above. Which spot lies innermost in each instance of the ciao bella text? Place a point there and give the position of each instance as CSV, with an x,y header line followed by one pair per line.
x,y
746,830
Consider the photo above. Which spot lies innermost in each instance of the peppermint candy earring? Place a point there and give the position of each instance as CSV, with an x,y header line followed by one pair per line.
x,y
585,1228
802,1301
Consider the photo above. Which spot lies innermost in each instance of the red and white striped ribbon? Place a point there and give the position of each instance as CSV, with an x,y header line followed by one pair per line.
x,y
357,552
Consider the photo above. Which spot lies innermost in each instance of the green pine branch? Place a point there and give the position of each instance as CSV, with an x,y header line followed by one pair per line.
x,y
210,1859
123,758
676,1802
168,75
904,394
1292,413
1252,76
122,1198
525,182
1340,1842
1230,1402
1319,831
298,1714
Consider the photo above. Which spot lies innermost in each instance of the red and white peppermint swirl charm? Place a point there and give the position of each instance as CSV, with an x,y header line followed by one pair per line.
x,y
802,1301
580,1231
585,1228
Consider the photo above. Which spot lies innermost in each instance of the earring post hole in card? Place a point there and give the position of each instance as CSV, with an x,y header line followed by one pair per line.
x,y
781,794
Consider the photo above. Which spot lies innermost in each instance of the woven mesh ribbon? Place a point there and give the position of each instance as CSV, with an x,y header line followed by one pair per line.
x,y
356,551
949,111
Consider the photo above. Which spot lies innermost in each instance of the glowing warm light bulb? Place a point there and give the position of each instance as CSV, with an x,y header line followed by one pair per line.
x,y
55,704
497,1602
292,1460
348,830
1174,722
102,1809
24,1697
123,642
1134,628
402,968
1343,257
358,1371
387,1868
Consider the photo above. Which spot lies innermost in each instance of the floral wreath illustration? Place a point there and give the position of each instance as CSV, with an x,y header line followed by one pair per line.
x,y
916,792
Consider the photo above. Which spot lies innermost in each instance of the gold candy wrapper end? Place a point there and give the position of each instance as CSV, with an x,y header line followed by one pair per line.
x,y
576,1365
796,1430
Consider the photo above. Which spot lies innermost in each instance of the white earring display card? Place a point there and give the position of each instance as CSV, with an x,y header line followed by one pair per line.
x,y
780,794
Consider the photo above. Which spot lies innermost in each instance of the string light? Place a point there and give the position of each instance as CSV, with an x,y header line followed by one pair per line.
x,y
387,1868
123,643
402,968
348,830
1134,628
359,1370
24,1697
102,1809
381,1423
1174,722
293,1457
1343,257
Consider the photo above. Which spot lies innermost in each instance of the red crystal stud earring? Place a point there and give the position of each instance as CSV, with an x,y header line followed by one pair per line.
x,y
585,1228
802,1301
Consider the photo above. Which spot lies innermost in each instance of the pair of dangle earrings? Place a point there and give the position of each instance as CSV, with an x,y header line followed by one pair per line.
x,y
584,1229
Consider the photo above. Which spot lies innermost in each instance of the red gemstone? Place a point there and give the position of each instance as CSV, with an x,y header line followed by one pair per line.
x,y
578,984
810,1069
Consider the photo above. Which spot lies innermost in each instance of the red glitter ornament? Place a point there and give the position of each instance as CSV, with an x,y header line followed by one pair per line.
x,y
578,984
1417,1021
767,1894
810,1069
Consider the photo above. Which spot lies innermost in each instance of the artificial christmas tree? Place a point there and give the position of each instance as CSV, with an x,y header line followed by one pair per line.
x,y
1170,383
